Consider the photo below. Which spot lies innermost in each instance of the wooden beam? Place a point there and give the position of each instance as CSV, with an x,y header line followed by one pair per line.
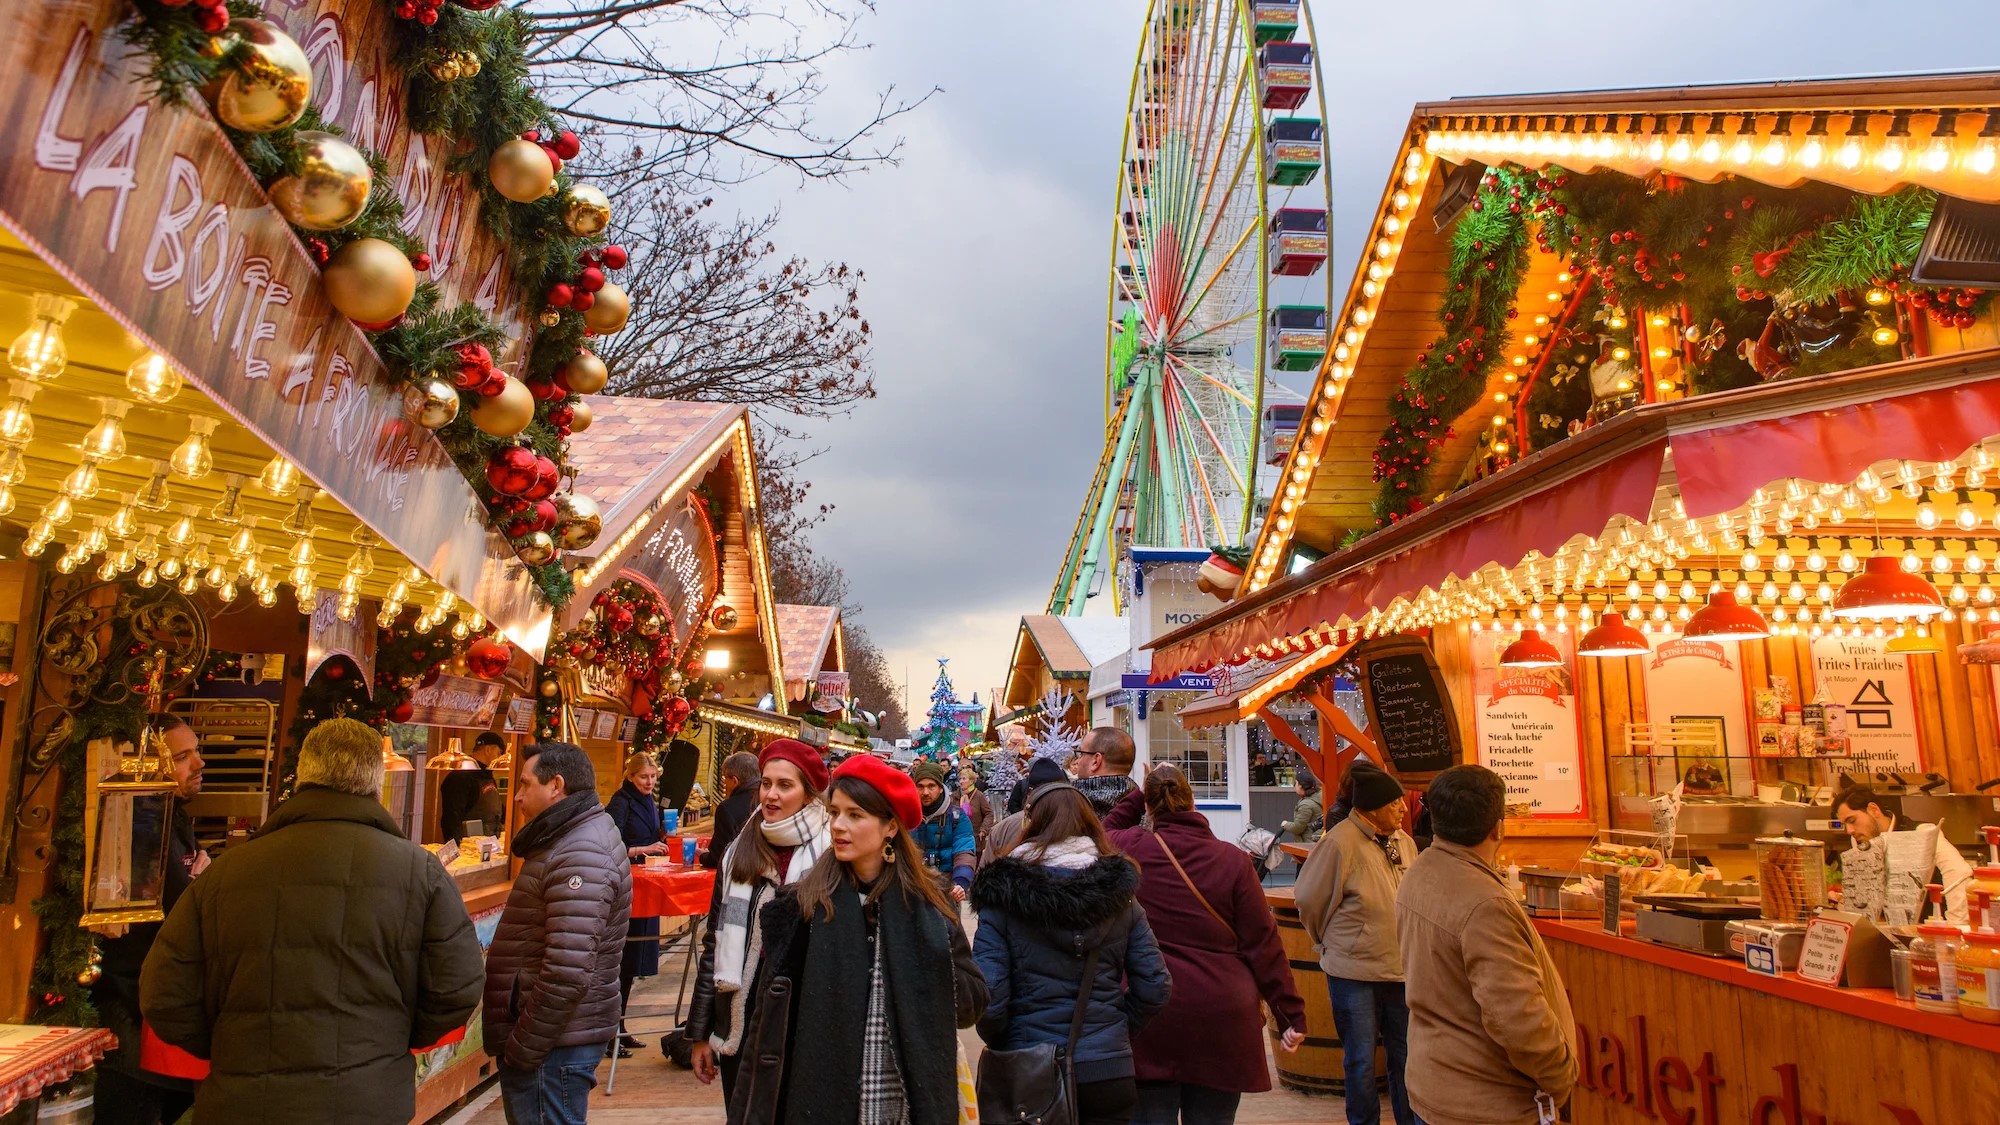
x,y
1283,732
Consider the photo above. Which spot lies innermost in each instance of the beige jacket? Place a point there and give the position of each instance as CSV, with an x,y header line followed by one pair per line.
x,y
1489,1021
1347,900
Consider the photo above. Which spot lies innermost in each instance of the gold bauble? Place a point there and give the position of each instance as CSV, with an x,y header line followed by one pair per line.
x,y
579,417
724,618
550,689
577,522
331,189
269,84
551,318
586,211
447,69
369,281
536,548
521,171
608,312
586,374
430,403
468,64
90,974
507,413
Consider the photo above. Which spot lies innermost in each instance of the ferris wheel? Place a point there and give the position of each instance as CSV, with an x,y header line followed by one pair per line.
x,y
1218,279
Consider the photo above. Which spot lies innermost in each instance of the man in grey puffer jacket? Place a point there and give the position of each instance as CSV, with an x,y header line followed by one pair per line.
x,y
552,971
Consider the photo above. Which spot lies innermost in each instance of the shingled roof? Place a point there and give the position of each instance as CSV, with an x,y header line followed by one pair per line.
x,y
805,634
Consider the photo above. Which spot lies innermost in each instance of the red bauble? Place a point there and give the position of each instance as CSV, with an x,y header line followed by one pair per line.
x,y
619,618
582,301
519,525
478,5
488,658
546,479
546,390
544,515
333,670
494,382
427,16
560,295
567,146
401,712
561,416
211,20
590,280
613,257
513,470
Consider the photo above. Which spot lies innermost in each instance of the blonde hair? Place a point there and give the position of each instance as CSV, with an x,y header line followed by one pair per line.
x,y
638,761
343,755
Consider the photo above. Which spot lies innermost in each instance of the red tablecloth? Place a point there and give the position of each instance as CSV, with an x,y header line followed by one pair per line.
x,y
32,1058
671,892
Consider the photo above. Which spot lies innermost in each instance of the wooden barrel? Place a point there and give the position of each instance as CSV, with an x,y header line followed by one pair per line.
x,y
1315,1068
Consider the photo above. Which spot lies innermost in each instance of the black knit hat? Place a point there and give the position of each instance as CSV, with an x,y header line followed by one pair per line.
x,y
1374,788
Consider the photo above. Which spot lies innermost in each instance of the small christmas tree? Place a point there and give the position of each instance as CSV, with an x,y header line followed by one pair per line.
x,y
944,728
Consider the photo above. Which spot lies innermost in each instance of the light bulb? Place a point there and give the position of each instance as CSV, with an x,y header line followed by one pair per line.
x,y
17,424
152,380
81,483
267,597
182,532
244,542
148,549
13,464
299,520
1911,563
1927,516
106,440
59,511
192,459
152,495
39,352
189,583
6,498
1966,518
1783,560
170,568
149,576
302,553
1812,154
124,521
280,477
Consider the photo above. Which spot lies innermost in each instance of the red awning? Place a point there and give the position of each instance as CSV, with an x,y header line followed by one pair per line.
x,y
1719,468
1542,521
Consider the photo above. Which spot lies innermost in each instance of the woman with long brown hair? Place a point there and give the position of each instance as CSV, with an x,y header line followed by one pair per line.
x,y
1220,941
865,963
1058,901
777,847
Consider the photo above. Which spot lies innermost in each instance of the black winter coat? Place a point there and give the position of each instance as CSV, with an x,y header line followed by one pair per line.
x,y
552,970
731,815
814,981
1036,924
308,962
638,821
116,993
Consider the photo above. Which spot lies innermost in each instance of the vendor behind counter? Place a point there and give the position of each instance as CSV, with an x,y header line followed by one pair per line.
x,y
465,795
1871,819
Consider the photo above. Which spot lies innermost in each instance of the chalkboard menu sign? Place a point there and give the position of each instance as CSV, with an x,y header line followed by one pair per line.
x,y
1409,710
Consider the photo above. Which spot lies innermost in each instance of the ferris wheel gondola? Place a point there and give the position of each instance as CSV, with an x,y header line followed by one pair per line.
x,y
1218,277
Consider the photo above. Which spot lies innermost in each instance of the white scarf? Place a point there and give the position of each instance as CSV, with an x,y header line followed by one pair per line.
x,y
739,933
1073,854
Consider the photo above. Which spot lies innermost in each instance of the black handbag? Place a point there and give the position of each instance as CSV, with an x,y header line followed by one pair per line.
x,y
1036,1085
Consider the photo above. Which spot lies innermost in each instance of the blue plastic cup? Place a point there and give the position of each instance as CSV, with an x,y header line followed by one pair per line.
x,y
670,821
687,852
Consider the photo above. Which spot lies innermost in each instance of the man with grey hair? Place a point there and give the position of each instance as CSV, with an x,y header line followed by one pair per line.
x,y
308,962
739,803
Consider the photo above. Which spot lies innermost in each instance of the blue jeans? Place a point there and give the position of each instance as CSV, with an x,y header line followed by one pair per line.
x,y
556,1093
1362,1011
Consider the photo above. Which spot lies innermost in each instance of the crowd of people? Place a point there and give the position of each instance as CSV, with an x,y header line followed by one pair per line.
x,y
863,914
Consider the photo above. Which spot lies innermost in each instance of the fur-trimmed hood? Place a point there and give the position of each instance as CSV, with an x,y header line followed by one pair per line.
x,y
1066,900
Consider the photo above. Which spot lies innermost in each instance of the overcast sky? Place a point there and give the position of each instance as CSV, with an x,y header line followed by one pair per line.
x,y
986,250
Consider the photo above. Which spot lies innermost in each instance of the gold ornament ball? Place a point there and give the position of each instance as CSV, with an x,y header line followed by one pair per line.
x,y
724,618
607,314
521,171
430,403
578,522
91,974
536,548
507,413
549,689
586,374
551,318
580,417
331,189
468,64
586,211
271,84
369,281
447,69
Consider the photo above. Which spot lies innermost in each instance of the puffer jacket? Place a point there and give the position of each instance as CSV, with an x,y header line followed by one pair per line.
x,y
1036,924
552,970
307,962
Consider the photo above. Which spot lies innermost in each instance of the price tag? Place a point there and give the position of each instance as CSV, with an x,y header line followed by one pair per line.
x,y
1760,958
1825,951
1614,901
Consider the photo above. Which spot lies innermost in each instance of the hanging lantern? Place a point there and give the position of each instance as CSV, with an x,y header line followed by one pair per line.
x,y
1726,619
1531,651
1613,636
1884,591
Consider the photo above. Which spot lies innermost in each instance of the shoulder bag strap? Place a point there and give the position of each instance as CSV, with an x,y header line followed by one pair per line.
x,y
1199,897
1083,998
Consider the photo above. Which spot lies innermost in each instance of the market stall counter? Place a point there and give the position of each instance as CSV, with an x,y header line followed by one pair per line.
x,y
1669,1036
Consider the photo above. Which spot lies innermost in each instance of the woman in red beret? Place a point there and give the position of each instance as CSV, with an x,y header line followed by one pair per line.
x,y
774,849
866,976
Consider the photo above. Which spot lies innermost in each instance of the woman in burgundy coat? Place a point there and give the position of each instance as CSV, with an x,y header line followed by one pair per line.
x,y
1221,946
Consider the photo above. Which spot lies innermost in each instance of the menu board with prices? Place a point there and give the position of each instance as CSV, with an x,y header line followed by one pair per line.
x,y
1525,726
1409,709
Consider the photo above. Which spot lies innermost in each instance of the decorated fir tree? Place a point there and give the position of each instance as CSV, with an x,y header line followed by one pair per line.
x,y
940,737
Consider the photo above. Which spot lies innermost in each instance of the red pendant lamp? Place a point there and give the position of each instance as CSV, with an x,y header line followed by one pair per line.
x,y
1726,619
1885,590
1613,636
1531,651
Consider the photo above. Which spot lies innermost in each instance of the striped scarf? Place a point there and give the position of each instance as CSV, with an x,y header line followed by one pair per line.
x,y
739,933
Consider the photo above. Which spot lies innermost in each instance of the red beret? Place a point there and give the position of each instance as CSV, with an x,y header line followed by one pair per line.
x,y
799,754
894,785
